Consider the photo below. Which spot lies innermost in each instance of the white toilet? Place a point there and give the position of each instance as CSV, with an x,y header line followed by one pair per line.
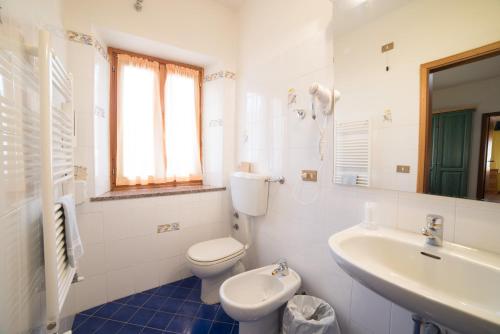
x,y
254,298
216,260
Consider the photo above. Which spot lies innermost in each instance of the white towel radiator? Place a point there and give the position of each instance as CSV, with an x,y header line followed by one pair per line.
x,y
57,138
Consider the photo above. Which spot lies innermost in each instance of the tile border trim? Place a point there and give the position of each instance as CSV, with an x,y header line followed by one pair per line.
x,y
86,39
220,75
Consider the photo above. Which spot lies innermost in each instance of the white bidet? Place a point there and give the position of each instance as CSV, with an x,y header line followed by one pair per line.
x,y
254,298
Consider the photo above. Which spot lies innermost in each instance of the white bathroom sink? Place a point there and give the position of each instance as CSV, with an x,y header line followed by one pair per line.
x,y
456,286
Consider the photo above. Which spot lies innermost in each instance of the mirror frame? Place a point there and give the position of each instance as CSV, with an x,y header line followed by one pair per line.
x,y
426,70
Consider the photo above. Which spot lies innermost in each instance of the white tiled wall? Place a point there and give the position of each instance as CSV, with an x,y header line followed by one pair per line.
x,y
213,136
294,53
123,252
101,124
91,100
477,224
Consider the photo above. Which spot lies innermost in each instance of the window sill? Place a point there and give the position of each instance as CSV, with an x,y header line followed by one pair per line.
x,y
154,192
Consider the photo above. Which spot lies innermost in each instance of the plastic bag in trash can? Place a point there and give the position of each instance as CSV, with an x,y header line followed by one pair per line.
x,y
309,315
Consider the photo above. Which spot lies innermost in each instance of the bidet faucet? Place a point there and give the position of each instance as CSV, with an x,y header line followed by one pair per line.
x,y
282,269
434,230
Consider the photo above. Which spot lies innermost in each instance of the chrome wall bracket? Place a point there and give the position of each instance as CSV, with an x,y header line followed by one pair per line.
x,y
280,180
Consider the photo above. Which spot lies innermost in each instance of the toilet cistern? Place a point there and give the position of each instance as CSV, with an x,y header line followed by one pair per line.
x,y
434,230
282,269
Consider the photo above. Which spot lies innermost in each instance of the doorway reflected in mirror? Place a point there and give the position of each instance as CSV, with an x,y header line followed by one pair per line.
x,y
489,176
460,148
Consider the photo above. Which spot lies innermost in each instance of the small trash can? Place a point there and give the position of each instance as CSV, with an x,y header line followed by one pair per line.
x,y
309,315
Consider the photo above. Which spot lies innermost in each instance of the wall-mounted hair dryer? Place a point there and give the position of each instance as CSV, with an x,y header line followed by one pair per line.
x,y
323,99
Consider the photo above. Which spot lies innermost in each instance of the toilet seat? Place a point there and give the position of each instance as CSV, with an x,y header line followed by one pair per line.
x,y
215,251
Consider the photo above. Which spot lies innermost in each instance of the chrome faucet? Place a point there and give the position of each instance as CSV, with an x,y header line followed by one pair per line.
x,y
434,230
282,269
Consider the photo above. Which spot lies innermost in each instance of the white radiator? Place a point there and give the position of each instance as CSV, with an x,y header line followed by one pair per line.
x,y
352,153
57,138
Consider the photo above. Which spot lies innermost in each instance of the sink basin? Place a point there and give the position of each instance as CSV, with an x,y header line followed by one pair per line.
x,y
453,285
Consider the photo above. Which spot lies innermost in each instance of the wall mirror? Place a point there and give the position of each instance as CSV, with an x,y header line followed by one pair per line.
x,y
420,107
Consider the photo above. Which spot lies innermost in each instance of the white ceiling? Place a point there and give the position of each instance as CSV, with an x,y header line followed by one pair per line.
x,y
480,70
350,14
138,44
234,4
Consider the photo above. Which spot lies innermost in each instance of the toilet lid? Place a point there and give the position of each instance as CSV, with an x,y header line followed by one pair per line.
x,y
214,250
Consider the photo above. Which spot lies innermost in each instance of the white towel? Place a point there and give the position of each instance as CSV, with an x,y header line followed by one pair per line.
x,y
349,179
74,246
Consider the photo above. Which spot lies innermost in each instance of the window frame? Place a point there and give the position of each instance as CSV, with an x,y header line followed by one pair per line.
x,y
113,140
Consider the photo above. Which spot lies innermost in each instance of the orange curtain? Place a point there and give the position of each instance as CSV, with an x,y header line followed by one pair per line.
x,y
182,121
140,156
158,122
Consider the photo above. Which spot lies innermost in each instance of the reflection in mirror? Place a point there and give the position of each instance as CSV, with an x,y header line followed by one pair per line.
x,y
383,53
462,110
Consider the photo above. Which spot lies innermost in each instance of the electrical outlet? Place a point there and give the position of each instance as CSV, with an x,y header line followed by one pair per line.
x,y
403,169
387,47
309,175
168,228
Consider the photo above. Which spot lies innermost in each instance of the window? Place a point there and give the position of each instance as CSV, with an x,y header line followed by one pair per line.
x,y
155,121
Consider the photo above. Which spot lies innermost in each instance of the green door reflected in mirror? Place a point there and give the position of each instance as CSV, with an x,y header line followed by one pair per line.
x,y
451,138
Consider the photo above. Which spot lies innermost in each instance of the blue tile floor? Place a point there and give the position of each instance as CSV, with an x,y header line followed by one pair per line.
x,y
172,308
